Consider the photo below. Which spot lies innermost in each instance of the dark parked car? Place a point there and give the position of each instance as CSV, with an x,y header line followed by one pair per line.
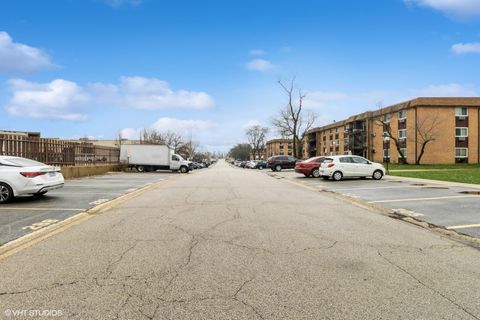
x,y
262,164
310,167
277,163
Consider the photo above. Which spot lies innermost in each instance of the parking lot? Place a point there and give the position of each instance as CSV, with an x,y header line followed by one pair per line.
x,y
27,214
450,205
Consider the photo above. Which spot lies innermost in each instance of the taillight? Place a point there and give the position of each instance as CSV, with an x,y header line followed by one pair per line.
x,y
331,165
32,174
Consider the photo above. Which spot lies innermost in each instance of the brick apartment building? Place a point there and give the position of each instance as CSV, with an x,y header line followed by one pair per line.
x,y
453,123
278,147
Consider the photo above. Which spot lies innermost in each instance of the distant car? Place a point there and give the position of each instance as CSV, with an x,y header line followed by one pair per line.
x,y
22,176
243,164
310,167
278,163
251,164
339,167
260,165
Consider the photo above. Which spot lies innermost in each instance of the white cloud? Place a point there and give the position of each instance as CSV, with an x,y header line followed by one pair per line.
x,y
256,52
446,90
260,65
65,100
455,8
321,99
149,93
59,99
465,48
181,126
20,58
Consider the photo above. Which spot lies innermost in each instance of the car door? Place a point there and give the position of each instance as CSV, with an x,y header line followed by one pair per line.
x,y
363,167
175,162
347,166
290,163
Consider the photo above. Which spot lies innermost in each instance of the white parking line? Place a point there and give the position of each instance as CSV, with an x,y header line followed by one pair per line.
x,y
39,209
423,199
370,188
465,226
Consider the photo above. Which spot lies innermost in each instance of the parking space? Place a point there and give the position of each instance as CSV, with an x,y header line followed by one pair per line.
x,y
450,205
27,214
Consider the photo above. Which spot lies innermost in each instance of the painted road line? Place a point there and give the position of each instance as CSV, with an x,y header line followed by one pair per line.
x,y
465,226
423,199
370,188
40,209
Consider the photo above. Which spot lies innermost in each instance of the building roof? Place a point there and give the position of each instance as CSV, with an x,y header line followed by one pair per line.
x,y
422,101
281,140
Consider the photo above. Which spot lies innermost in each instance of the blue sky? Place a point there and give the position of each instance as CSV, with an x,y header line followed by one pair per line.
x,y
75,68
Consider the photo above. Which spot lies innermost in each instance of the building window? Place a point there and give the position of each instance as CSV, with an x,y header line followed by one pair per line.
x,y
386,153
461,132
402,115
403,151
402,134
336,130
461,152
386,118
461,112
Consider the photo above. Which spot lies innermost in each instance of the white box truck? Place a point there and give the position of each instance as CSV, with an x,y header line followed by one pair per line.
x,y
145,157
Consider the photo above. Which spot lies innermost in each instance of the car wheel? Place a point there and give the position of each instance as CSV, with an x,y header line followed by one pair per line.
x,y
183,170
260,168
377,175
278,167
6,193
337,176
140,168
316,173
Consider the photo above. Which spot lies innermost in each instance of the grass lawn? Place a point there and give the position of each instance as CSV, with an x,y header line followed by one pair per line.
x,y
466,173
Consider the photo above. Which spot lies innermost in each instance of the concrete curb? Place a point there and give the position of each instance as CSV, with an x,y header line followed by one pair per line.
x,y
30,239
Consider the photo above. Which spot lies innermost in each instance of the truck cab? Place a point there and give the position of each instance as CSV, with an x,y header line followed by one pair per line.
x,y
177,163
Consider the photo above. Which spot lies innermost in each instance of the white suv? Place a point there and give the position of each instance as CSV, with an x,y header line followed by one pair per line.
x,y
339,167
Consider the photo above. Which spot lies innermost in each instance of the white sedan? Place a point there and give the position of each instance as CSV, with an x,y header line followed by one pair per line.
x,y
339,167
21,176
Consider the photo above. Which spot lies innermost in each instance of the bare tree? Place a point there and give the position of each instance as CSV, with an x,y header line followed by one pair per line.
x,y
292,122
173,140
169,138
188,149
151,136
256,135
427,131
387,129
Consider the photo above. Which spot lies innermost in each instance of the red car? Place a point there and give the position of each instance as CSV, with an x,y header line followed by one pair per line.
x,y
310,167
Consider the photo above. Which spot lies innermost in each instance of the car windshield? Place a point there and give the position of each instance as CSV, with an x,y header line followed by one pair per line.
x,y
22,162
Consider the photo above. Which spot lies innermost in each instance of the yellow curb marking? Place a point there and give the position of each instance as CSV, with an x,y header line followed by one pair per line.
x,y
423,199
465,226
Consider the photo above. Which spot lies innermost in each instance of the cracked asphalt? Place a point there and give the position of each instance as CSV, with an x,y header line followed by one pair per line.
x,y
225,243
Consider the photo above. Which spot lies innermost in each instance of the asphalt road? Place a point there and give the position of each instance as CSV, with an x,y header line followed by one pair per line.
x,y
27,214
226,243
454,206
